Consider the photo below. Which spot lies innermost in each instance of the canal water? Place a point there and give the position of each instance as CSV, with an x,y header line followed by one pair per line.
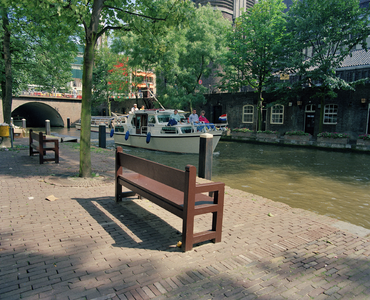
x,y
336,184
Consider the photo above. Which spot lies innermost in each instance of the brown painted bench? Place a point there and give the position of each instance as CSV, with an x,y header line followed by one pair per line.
x,y
39,144
174,190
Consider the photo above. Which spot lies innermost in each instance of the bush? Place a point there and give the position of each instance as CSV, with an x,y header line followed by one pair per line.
x,y
268,132
364,136
334,135
242,130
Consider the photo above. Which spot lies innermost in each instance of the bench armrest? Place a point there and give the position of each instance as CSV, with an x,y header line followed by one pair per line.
x,y
50,140
209,187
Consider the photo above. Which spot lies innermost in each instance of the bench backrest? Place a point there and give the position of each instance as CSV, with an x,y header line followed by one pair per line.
x,y
169,176
39,136
36,136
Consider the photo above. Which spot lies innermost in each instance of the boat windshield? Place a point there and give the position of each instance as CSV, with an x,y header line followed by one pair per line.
x,y
166,118
163,118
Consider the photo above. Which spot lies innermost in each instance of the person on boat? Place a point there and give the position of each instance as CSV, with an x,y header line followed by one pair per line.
x,y
174,118
204,120
134,108
142,107
193,118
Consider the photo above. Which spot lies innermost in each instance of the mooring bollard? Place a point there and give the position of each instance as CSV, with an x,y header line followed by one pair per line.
x,y
102,135
205,156
68,123
47,125
24,123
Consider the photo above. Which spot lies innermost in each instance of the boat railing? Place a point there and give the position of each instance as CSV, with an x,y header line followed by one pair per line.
x,y
168,129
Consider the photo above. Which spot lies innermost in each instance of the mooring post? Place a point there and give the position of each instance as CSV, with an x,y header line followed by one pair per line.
x,y
102,135
68,123
205,156
24,123
47,125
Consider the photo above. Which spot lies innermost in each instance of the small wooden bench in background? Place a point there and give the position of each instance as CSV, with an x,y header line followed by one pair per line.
x,y
174,190
40,144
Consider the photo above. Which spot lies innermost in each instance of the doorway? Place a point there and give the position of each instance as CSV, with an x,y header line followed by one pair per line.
x,y
140,122
264,117
217,112
310,119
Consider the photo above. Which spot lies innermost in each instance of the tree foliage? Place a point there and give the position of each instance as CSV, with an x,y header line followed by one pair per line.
x,y
321,34
98,17
111,77
183,55
35,50
254,45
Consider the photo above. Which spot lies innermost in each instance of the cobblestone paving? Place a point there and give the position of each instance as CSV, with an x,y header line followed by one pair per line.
x,y
85,246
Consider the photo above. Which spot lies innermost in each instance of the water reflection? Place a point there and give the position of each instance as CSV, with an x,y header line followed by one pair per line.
x,y
332,183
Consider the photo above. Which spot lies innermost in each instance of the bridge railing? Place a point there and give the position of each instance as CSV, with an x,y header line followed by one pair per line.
x,y
47,94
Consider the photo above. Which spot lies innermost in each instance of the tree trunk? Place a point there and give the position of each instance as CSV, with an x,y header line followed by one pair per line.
x,y
85,135
260,107
322,106
6,86
87,76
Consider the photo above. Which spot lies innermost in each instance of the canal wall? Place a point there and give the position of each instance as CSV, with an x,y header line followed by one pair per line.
x,y
341,144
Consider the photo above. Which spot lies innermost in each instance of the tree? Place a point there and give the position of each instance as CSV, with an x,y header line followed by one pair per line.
x,y
98,17
33,51
183,56
322,33
111,77
254,45
194,51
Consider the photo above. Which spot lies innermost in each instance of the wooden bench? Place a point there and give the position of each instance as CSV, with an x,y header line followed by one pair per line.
x,y
39,144
174,190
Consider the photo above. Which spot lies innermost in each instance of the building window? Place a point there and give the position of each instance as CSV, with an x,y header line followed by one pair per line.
x,y
277,114
310,108
330,114
248,112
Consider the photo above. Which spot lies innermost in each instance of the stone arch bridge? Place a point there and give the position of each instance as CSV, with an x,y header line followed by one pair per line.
x,y
37,109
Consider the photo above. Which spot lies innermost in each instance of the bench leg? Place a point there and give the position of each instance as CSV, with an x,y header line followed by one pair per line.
x,y
217,226
56,155
118,192
217,216
187,233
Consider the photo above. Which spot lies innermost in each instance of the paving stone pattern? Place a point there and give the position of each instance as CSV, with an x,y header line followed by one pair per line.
x,y
85,246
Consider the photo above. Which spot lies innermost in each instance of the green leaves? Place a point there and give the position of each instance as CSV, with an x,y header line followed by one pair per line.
x,y
322,34
254,45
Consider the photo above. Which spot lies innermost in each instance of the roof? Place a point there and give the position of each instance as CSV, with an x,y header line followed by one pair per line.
x,y
358,58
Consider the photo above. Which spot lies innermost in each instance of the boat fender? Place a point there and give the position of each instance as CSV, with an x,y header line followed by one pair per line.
x,y
148,136
111,132
127,135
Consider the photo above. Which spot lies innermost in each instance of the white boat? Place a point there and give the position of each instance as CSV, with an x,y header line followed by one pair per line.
x,y
149,129
96,121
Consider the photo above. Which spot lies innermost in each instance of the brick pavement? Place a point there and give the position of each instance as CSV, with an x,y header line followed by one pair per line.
x,y
85,246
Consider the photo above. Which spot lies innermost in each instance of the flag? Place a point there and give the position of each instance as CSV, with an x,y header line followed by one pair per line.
x,y
223,117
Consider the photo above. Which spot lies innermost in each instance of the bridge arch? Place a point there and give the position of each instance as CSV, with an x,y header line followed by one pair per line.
x,y
36,113
37,109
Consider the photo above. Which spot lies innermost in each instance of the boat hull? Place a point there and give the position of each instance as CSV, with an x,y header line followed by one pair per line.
x,y
185,143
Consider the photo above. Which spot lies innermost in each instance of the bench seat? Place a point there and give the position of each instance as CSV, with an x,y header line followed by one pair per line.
x,y
166,195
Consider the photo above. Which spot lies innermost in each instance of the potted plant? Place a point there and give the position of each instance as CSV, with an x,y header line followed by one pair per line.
x,y
363,140
332,137
267,134
297,135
